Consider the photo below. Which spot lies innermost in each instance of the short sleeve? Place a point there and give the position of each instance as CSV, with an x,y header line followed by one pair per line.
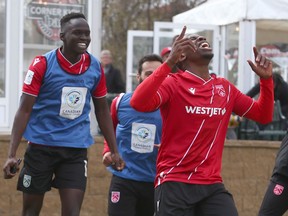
x,y
101,89
34,76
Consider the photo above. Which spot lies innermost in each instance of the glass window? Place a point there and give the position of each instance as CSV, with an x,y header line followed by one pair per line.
x,y
272,41
141,46
2,47
42,25
231,55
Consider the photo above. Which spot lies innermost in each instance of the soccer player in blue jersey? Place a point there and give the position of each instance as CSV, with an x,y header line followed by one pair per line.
x,y
132,190
54,117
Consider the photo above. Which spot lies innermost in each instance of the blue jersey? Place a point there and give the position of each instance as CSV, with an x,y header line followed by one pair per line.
x,y
60,115
136,134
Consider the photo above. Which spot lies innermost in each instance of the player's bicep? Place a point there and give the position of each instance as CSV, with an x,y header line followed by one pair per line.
x,y
101,89
34,76
166,90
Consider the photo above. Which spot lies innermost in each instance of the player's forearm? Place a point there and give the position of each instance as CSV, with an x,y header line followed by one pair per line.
x,y
18,129
263,107
145,97
106,127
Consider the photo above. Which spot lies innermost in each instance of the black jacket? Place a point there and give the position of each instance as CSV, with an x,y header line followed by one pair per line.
x,y
114,81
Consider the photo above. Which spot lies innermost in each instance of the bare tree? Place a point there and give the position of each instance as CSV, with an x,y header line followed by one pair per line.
x,y
120,16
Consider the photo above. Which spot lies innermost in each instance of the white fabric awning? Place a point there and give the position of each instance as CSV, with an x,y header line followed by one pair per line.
x,y
223,12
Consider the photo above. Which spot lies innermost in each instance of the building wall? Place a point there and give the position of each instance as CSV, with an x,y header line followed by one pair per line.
x,y
247,167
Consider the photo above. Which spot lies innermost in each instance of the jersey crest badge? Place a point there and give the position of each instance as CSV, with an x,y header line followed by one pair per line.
x,y
278,189
220,90
115,196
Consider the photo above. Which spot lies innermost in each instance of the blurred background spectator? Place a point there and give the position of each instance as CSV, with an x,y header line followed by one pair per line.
x,y
114,81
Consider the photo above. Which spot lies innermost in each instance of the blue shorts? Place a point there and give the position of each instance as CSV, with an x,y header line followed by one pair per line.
x,y
46,167
181,199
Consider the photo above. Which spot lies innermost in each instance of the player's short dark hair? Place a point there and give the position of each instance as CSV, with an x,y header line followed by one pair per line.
x,y
66,18
150,57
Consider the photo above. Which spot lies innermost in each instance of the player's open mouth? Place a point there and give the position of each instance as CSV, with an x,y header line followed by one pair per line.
x,y
204,45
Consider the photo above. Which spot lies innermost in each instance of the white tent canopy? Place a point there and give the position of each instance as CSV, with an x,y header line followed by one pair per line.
x,y
265,16
223,12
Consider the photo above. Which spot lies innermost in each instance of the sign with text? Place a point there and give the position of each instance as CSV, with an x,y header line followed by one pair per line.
x,y
46,15
277,53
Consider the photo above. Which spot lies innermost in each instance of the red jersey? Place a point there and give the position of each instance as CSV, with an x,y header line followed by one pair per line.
x,y
195,115
36,72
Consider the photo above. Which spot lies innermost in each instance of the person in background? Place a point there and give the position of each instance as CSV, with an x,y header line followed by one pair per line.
x,y
165,53
114,81
275,200
53,116
196,110
280,92
131,191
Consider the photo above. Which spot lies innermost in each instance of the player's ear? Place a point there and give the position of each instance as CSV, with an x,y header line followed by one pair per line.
x,y
61,36
138,77
182,57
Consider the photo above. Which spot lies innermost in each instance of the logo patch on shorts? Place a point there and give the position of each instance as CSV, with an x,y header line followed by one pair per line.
x,y
278,189
26,181
115,196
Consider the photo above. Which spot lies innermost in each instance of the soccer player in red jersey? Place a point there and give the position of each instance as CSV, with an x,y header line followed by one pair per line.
x,y
196,108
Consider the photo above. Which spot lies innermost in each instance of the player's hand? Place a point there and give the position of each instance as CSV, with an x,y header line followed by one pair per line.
x,y
11,167
262,66
157,145
117,162
107,159
180,46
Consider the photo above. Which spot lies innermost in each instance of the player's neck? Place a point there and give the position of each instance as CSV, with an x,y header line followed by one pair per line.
x,y
200,70
69,56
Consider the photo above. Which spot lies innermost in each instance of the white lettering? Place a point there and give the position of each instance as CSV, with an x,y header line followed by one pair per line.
x,y
51,11
190,109
210,111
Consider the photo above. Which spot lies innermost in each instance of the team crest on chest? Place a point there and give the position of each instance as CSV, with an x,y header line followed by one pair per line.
x,y
220,90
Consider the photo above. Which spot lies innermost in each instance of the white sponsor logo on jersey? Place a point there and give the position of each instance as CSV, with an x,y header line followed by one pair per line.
x,y
205,110
143,137
29,77
72,102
